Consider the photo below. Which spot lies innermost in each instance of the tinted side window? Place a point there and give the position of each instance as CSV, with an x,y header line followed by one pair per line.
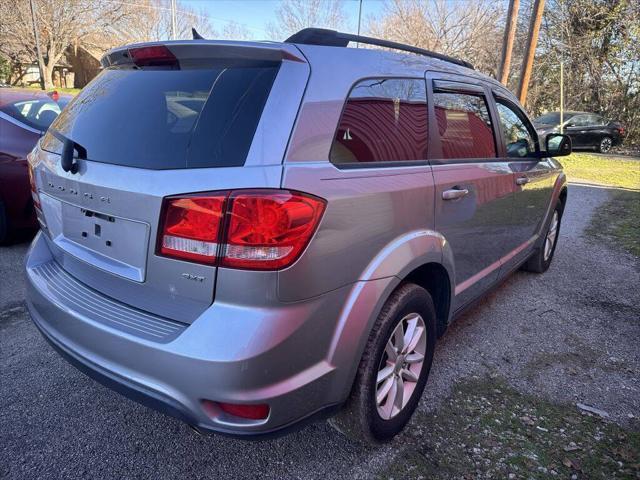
x,y
578,121
383,120
518,140
596,120
464,125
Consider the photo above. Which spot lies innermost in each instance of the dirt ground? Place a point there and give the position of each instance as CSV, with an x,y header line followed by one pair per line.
x,y
500,402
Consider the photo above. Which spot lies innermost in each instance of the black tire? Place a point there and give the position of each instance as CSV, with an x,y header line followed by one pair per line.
x,y
538,262
359,419
4,225
605,144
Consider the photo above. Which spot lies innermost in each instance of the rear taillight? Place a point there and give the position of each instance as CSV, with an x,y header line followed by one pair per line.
x,y
268,230
34,189
191,227
249,229
153,56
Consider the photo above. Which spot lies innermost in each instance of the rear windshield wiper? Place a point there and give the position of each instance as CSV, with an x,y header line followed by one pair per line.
x,y
67,162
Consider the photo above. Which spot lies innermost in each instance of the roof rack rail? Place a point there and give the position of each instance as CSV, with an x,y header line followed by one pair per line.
x,y
332,38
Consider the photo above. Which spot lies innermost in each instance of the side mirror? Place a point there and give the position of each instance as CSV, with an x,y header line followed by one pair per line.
x,y
558,145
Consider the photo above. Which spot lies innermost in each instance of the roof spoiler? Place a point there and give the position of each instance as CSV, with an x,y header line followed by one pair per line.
x,y
333,38
201,52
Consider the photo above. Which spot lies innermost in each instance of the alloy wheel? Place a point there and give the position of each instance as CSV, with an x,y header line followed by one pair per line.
x,y
401,365
605,144
552,234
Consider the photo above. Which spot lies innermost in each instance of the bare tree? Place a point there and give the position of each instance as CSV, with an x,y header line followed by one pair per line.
x,y
150,20
233,31
95,25
60,23
294,15
462,29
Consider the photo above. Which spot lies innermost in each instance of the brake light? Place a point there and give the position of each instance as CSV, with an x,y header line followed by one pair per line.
x,y
268,230
153,56
263,229
191,227
34,189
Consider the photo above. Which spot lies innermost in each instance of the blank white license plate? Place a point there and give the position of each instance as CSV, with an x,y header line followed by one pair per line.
x,y
115,244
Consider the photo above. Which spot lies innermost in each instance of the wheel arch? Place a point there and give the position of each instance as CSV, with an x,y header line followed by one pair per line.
x,y
434,278
422,257
563,196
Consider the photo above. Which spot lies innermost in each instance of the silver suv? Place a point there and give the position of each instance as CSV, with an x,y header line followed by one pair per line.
x,y
249,235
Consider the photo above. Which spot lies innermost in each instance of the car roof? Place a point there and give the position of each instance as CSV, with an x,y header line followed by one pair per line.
x,y
373,61
10,95
376,62
355,63
571,112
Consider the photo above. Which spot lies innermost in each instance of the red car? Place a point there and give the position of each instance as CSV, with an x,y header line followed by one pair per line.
x,y
24,117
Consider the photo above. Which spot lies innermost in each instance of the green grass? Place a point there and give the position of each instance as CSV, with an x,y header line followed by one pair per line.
x,y
71,91
618,221
601,170
488,430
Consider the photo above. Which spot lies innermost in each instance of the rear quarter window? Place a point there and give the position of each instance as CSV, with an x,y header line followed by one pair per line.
x,y
164,119
384,120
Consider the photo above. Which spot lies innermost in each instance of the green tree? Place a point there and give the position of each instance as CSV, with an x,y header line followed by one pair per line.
x,y
598,42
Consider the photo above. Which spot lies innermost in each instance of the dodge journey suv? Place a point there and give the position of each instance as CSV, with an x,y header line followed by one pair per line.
x,y
252,235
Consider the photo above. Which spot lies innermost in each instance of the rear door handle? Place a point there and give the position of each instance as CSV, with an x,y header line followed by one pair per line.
x,y
454,193
522,181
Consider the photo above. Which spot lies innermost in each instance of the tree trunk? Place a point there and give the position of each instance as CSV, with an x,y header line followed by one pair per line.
x,y
37,38
48,76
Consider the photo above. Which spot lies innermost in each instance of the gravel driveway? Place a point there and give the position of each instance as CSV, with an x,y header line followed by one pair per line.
x,y
568,336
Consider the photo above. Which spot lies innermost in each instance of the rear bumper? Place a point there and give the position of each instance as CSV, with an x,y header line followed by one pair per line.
x,y
285,370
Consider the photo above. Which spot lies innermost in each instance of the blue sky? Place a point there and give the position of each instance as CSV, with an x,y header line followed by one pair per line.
x,y
256,14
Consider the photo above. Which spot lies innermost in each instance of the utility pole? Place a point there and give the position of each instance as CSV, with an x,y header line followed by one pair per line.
x,y
532,43
507,42
561,96
562,49
38,51
359,21
173,19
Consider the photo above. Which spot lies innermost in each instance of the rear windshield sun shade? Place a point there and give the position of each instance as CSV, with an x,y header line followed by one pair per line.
x,y
166,118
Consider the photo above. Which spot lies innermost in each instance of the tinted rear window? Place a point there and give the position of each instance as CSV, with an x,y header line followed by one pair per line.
x,y
163,119
37,113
